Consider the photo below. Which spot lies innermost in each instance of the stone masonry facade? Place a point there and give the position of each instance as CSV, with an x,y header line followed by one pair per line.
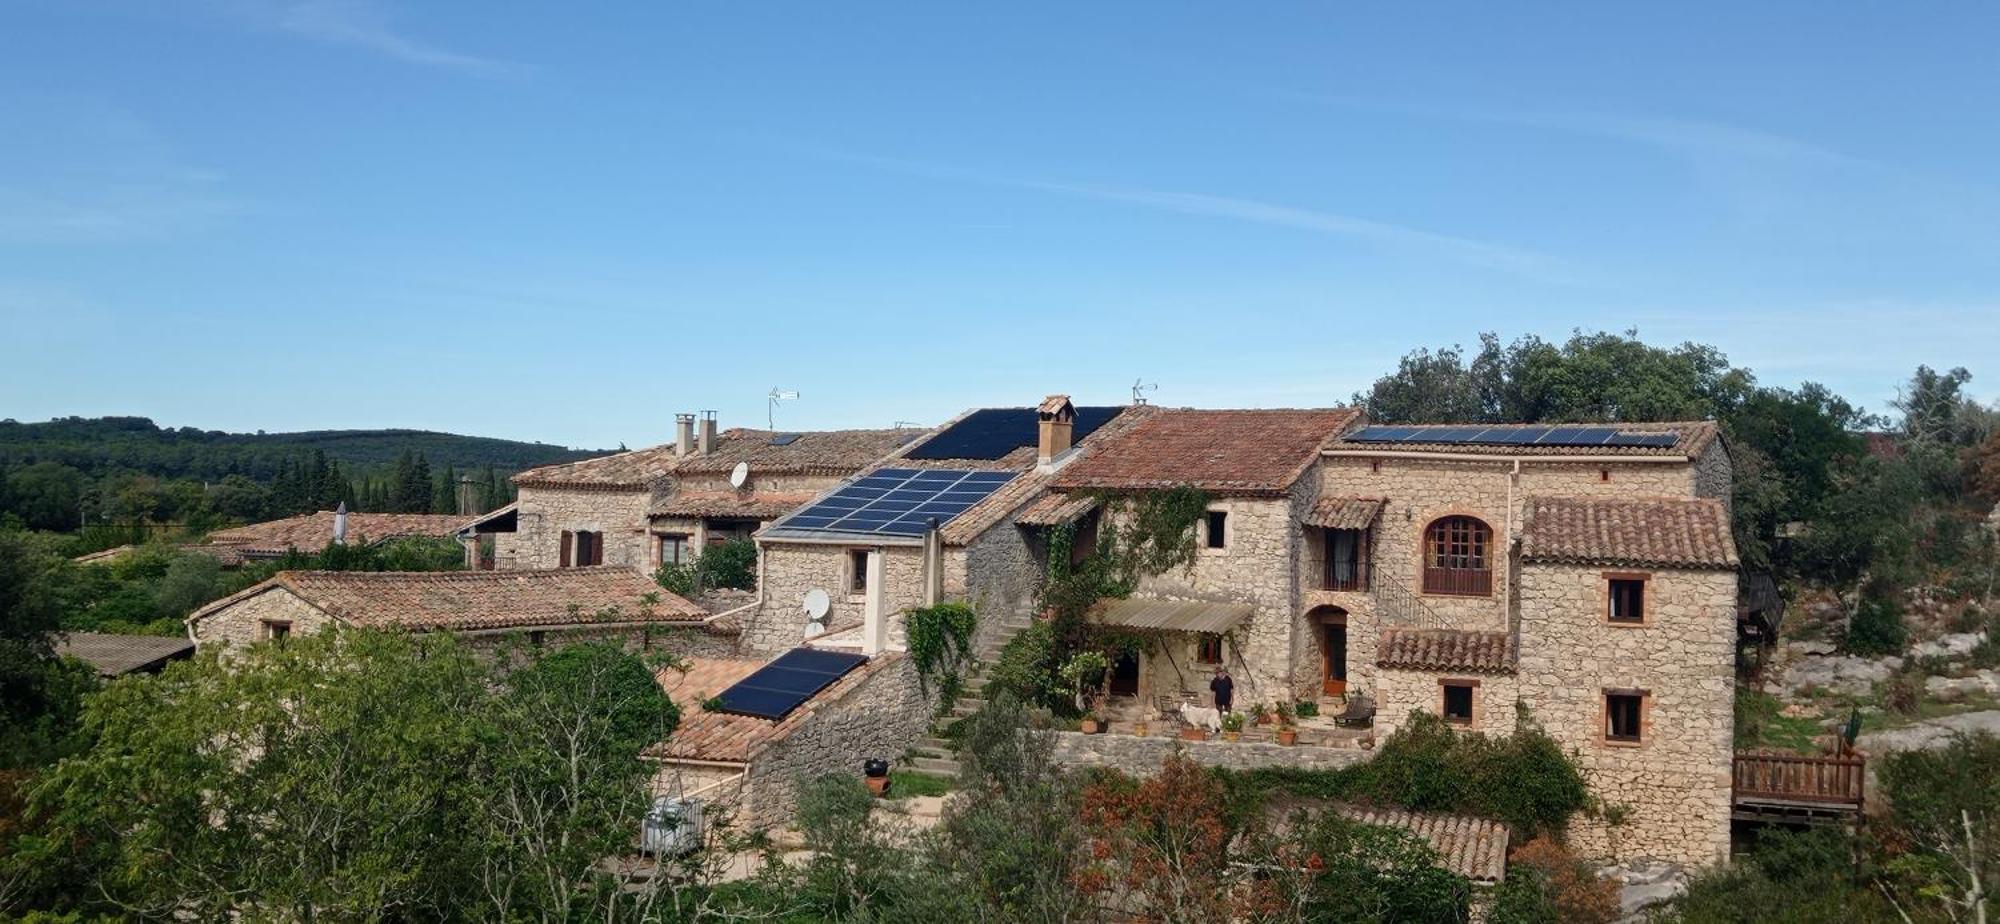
x,y
544,514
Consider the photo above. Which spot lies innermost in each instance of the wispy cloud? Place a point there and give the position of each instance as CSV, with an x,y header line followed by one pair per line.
x,y
364,24
79,172
1468,251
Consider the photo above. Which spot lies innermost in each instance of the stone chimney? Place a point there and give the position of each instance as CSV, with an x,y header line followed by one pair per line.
x,y
1057,420
340,524
706,443
468,497
683,434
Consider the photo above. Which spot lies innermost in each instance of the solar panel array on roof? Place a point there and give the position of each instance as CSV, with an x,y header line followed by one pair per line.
x,y
990,433
1516,436
784,439
897,501
781,686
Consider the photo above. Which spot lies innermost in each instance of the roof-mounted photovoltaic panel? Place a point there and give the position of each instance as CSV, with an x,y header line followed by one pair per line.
x,y
784,439
993,432
781,686
898,501
1571,435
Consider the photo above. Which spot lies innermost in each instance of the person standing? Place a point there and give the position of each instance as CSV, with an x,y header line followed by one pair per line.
x,y
1224,689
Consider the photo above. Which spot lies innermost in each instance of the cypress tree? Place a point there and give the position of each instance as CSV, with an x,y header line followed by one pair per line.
x,y
445,498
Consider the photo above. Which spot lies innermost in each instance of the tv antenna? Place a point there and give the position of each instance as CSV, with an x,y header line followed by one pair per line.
x,y
1139,389
771,405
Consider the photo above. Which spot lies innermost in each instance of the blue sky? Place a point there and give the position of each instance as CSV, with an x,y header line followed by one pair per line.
x,y
566,222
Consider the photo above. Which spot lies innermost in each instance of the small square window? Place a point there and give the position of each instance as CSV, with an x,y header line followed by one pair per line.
x,y
674,549
1622,720
1627,601
1208,648
276,631
857,565
1458,703
537,638
1218,529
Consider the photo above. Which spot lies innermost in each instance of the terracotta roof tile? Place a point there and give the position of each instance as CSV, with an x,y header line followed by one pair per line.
x,y
1657,532
755,505
312,531
1344,512
834,452
1055,509
725,736
1475,848
113,655
476,600
1695,437
1220,451
1446,650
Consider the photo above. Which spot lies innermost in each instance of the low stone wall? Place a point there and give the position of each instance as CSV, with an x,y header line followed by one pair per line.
x,y
1144,756
882,716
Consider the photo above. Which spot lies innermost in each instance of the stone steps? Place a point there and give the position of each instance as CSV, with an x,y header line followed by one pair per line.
x,y
941,766
934,754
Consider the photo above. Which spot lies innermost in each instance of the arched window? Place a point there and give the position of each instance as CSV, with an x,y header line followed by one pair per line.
x,y
1458,557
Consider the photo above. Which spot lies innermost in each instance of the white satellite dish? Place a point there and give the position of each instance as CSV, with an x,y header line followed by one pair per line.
x,y
818,604
739,474
815,629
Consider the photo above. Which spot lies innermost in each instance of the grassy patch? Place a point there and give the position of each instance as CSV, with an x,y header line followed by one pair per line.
x,y
1761,723
908,784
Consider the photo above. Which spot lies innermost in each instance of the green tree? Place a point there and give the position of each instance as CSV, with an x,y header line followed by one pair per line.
x,y
444,497
47,495
40,696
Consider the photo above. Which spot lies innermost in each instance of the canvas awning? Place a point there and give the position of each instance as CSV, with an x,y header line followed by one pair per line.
x,y
1173,615
1344,512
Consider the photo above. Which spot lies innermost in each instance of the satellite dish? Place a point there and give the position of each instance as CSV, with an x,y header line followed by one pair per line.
x,y
815,629
739,474
818,604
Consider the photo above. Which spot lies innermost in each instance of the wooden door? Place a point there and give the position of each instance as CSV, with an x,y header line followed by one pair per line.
x,y
1334,680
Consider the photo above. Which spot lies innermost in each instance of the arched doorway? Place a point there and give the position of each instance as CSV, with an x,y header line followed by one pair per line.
x,y
1330,631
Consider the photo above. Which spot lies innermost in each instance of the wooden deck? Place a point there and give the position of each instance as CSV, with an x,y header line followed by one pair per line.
x,y
1799,788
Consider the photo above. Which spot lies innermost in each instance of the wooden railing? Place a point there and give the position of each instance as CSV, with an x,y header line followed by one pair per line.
x,y
1472,582
1799,778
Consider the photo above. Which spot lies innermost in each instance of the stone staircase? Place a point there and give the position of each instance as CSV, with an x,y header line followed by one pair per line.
x,y
934,754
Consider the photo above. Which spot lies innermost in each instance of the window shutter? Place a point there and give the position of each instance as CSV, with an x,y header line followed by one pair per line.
x,y
566,538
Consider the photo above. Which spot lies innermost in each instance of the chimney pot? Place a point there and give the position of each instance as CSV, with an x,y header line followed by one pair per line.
x,y
706,443
1056,419
340,524
683,434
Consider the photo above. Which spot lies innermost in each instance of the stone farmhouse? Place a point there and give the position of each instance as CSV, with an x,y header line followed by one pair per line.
x,y
309,532
661,505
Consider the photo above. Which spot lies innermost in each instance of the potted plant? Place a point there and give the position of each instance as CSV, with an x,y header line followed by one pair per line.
x,y
1091,724
1288,734
875,772
1193,733
1308,709
1139,729
1260,715
1232,727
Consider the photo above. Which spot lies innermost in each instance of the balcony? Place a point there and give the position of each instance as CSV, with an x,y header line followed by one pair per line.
x,y
1460,582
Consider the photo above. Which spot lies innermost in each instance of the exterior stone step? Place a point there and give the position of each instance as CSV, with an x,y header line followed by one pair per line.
x,y
936,765
932,747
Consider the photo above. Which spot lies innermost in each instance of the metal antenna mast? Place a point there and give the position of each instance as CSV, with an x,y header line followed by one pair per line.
x,y
771,405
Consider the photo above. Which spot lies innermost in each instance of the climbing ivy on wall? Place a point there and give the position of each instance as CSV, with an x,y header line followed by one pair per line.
x,y
939,640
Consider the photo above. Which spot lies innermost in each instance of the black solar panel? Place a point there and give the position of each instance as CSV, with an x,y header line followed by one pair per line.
x,y
779,687
784,439
990,433
898,501
1570,435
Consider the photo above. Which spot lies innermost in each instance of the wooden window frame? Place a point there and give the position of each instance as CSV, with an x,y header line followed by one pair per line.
x,y
1471,687
1202,641
1456,536
857,572
685,540
1644,580
1645,698
1212,539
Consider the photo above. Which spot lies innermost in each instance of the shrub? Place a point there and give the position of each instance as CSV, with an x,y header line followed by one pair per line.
x,y
1545,882
731,564
1786,878
1026,667
1877,627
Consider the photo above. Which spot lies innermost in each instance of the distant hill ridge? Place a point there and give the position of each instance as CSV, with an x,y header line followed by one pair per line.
x,y
99,445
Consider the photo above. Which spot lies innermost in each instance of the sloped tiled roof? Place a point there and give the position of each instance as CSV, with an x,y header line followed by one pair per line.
x,y
1446,650
984,515
1246,452
477,600
312,531
754,505
1055,509
732,738
1344,512
1475,848
1695,437
832,452
114,655
1655,532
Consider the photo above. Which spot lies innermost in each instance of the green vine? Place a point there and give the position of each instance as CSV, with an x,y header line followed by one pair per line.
x,y
939,640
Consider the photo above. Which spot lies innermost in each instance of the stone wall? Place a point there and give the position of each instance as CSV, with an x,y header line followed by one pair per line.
x,y
1677,779
1715,474
787,570
240,624
544,513
882,716
1002,575
1399,692
1144,756
1257,565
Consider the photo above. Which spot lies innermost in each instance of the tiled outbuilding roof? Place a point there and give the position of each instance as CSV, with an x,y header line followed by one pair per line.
x,y
830,452
1055,509
730,738
1446,650
1344,512
114,655
1694,438
477,600
312,531
1243,452
1644,532
1475,848
752,505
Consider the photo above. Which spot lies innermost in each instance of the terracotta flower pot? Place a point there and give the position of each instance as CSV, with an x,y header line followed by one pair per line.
x,y
879,785
1266,719
1232,736
1288,736
1139,729
1090,727
1192,733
